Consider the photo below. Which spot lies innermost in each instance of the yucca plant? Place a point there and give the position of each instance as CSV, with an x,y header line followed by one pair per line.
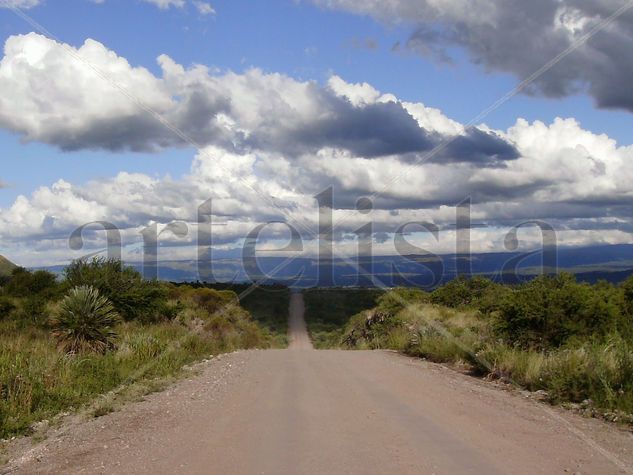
x,y
85,322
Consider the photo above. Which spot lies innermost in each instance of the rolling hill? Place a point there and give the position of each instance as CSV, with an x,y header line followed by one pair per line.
x,y
6,266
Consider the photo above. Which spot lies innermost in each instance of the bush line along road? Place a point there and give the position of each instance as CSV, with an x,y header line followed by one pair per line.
x,y
305,411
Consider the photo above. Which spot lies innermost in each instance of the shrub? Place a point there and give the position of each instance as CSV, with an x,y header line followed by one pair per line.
x,y
214,300
23,283
6,307
85,322
133,297
627,288
397,299
549,312
171,310
33,311
371,329
476,292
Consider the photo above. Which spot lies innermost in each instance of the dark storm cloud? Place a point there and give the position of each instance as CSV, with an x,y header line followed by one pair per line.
x,y
374,130
478,147
519,37
529,34
370,131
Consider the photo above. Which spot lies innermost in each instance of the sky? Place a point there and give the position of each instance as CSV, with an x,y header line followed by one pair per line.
x,y
137,112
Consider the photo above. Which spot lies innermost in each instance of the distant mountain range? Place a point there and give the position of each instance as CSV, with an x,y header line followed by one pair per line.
x,y
613,263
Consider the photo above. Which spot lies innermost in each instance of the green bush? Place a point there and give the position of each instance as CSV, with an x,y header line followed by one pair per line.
x,y
571,339
329,310
171,310
267,304
397,299
371,329
549,312
214,300
133,297
85,322
7,306
627,297
23,283
32,311
476,292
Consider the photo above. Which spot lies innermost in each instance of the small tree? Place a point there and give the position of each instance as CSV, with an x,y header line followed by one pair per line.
x,y
24,283
85,322
6,306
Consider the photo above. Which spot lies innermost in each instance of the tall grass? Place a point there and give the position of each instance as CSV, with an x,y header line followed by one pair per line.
x,y
38,381
59,353
267,304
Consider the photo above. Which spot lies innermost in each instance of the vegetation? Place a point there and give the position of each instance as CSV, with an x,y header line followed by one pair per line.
x,y
327,311
267,304
133,297
85,322
62,343
6,267
573,341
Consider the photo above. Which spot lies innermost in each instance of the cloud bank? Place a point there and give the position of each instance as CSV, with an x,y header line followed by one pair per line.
x,y
268,143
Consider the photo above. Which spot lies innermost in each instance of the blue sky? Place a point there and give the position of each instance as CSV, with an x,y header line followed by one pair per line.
x,y
301,39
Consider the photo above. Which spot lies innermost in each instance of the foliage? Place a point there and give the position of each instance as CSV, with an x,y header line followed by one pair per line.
x,y
32,311
214,300
328,310
23,283
570,339
38,381
371,328
85,322
627,295
133,297
7,306
397,299
600,372
549,312
267,304
166,326
475,292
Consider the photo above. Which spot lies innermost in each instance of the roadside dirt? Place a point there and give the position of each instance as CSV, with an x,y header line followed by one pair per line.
x,y
366,412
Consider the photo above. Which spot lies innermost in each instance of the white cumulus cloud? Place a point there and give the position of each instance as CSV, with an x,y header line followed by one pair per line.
x,y
269,143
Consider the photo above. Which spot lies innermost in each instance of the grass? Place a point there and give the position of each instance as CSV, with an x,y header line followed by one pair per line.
x,y
599,372
328,310
37,381
268,305
63,346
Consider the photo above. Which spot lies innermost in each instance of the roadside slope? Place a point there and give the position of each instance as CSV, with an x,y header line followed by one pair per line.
x,y
286,412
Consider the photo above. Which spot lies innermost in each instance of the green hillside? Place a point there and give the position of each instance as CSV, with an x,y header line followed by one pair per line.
x,y
6,266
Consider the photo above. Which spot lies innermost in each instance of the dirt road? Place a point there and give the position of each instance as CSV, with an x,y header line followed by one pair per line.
x,y
294,412
298,332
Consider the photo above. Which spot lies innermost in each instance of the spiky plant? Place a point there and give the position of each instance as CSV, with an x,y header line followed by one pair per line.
x,y
85,322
